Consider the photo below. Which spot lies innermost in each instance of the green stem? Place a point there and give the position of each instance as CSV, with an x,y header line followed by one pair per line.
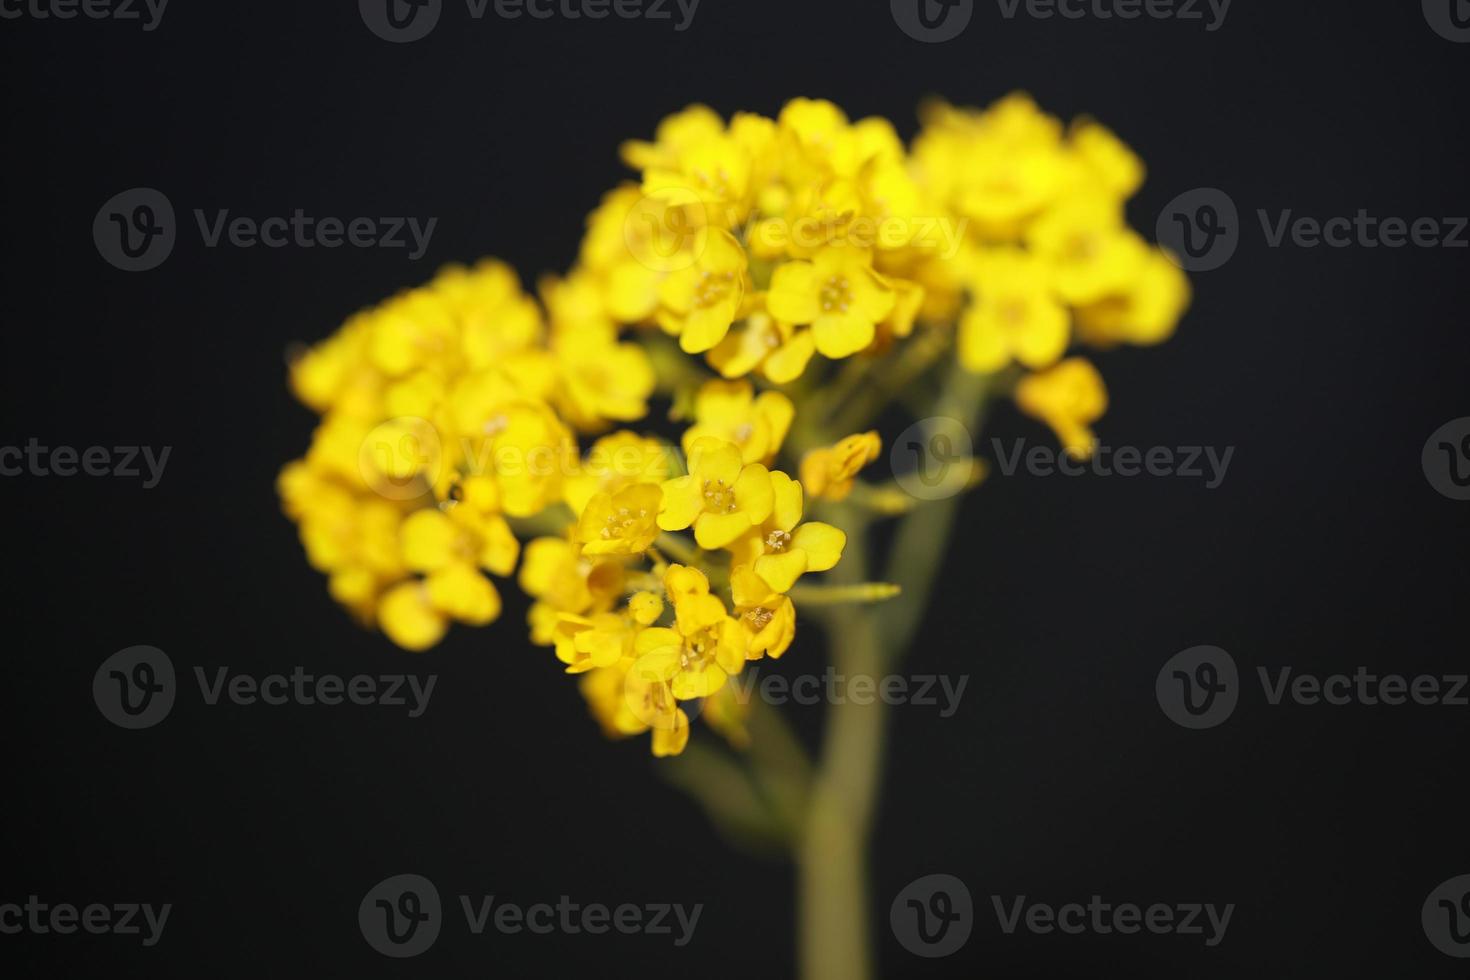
x,y
835,899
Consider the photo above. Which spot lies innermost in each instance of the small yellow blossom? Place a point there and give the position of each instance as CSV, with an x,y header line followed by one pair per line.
x,y
1145,311
721,498
829,472
782,549
767,617
779,351
621,523
838,293
701,301
1015,315
1069,398
702,648
731,411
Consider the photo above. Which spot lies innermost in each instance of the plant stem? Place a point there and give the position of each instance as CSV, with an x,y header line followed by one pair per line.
x,y
835,900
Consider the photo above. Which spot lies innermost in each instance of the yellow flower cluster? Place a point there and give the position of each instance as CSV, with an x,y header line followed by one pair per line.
x,y
471,430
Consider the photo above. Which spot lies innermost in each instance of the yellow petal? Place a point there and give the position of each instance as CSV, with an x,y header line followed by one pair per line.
x,y
697,683
428,538
788,362
753,493
786,496
822,543
713,531
839,335
793,294
408,620
461,592
682,502
671,740
781,570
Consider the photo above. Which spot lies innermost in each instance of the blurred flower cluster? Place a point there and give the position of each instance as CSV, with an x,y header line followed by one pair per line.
x,y
470,430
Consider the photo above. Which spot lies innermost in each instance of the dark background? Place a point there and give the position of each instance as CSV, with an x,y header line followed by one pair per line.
x,y
1059,778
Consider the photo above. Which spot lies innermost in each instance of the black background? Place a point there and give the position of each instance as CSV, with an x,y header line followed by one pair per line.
x,y
1059,778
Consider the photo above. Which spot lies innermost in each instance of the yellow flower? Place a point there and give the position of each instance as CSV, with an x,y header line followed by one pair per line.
x,y
449,553
699,652
779,351
1069,398
730,411
1107,161
1090,252
1015,315
603,381
782,549
621,523
529,449
767,618
556,574
614,462
701,300
829,472
997,168
626,702
648,699
721,498
1145,311
838,293
586,643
